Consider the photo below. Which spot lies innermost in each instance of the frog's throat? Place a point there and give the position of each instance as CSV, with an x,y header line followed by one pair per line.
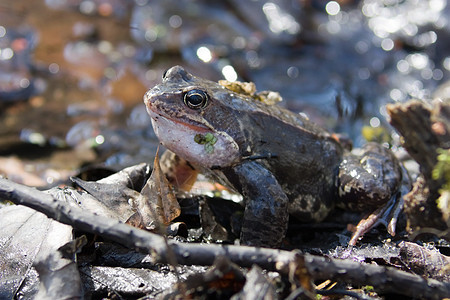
x,y
179,137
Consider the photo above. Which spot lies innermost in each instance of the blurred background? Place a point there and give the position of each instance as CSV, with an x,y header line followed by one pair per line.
x,y
73,72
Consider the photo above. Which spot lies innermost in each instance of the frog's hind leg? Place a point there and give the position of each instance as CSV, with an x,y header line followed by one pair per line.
x,y
371,180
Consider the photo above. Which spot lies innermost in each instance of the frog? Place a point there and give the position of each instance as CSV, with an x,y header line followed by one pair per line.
x,y
283,164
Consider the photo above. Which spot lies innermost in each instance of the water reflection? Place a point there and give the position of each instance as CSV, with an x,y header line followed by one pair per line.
x,y
280,20
89,62
332,8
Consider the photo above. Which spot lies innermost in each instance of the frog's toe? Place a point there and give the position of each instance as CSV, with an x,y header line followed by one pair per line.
x,y
386,215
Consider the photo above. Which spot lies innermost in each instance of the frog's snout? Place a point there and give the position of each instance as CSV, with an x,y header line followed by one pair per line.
x,y
148,96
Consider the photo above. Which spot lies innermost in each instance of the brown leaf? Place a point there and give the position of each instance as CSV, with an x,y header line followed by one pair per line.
x,y
221,280
299,275
427,262
135,220
180,173
157,204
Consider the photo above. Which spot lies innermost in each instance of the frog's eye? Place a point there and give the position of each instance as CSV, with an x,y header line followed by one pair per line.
x,y
196,99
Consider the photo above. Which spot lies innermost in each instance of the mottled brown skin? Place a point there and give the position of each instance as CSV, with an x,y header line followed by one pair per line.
x,y
278,160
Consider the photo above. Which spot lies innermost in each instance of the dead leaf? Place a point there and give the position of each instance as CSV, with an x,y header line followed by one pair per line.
x,y
257,286
427,262
249,89
58,274
110,196
180,173
157,204
220,281
212,229
299,275
25,236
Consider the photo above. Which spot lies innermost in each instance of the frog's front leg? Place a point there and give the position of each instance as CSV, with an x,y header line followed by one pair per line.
x,y
370,181
266,205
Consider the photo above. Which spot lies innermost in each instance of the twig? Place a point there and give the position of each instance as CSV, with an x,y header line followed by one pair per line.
x,y
341,292
81,219
384,279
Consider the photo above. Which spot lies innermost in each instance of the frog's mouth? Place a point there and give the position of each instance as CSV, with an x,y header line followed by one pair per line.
x,y
187,123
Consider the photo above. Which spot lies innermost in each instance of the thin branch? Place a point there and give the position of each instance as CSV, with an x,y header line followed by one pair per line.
x,y
81,219
384,279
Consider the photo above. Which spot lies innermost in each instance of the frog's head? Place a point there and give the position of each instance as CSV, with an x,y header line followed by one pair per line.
x,y
193,118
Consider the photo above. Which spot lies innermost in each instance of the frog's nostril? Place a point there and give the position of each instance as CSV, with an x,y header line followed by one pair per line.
x,y
165,73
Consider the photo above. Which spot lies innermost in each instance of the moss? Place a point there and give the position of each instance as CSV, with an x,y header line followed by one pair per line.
x,y
441,171
208,140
